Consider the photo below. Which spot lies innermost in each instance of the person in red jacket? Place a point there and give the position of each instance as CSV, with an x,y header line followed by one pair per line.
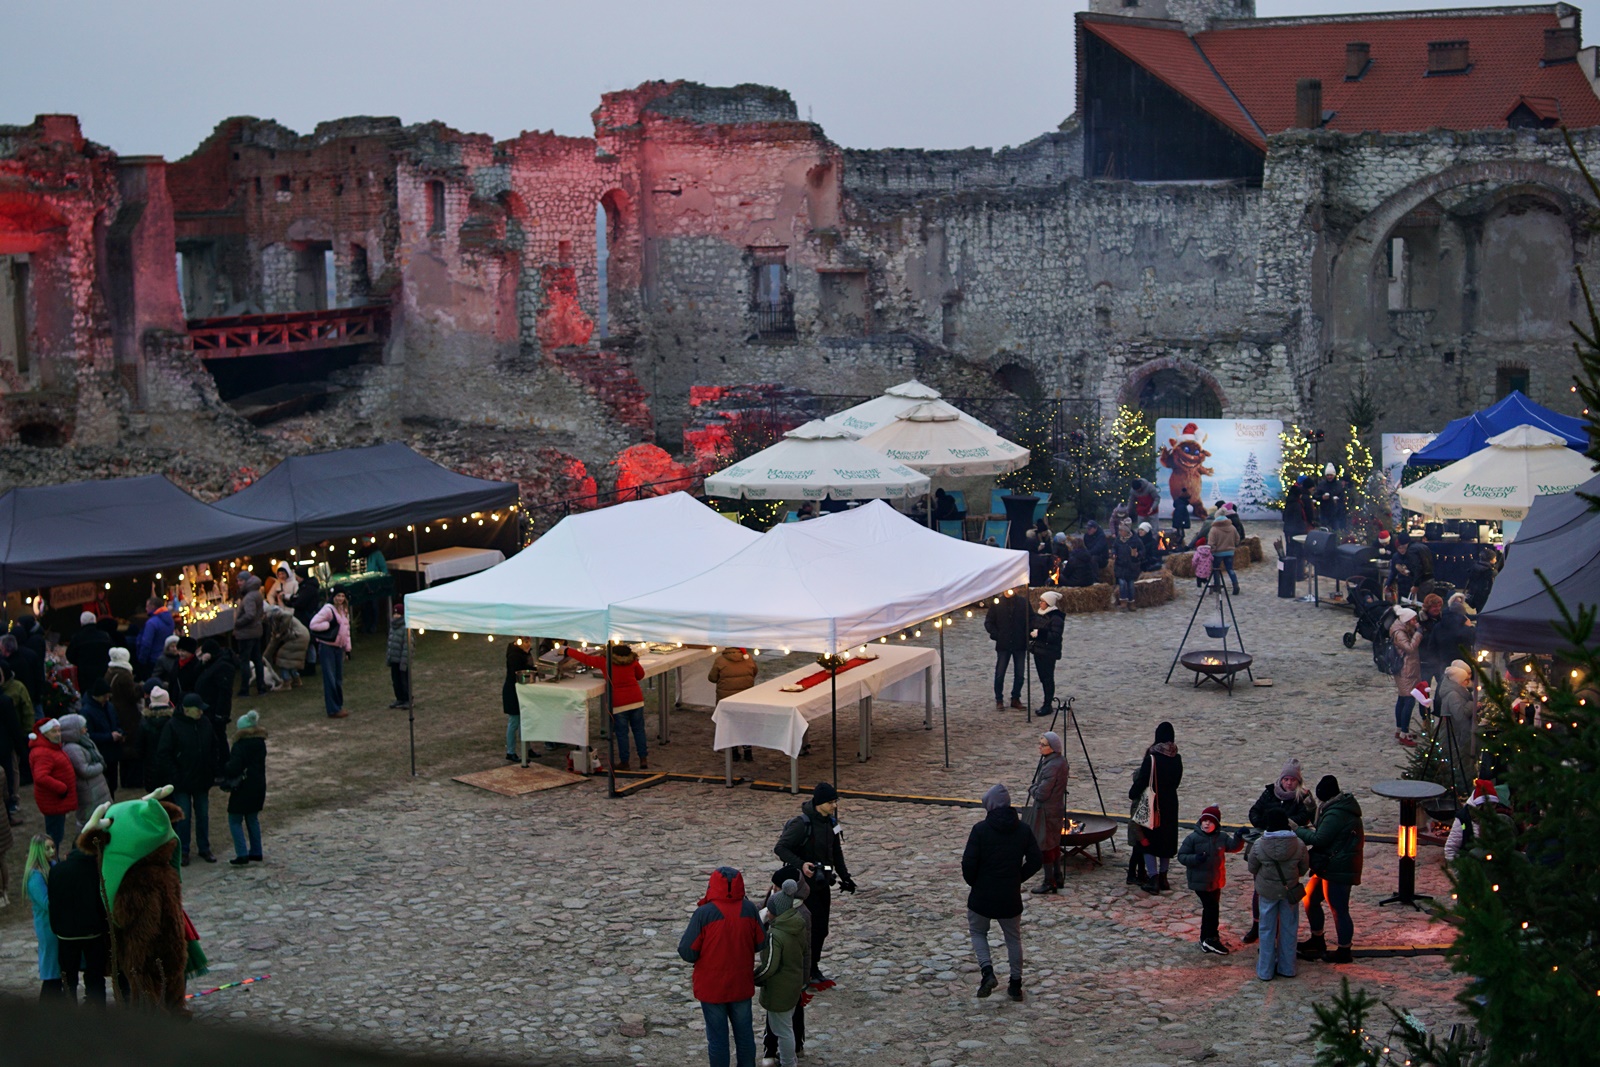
x,y
55,785
627,698
721,941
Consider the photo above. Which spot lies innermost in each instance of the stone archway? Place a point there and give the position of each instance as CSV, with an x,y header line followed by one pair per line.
x,y
1351,291
1172,369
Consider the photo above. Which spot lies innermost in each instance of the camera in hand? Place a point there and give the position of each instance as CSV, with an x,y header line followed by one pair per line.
x,y
827,873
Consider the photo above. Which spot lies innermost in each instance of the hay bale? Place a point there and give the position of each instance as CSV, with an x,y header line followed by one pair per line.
x,y
1180,564
1157,587
1241,558
1253,544
1077,601
1107,575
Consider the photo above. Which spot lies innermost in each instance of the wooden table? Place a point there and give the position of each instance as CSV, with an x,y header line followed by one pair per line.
x,y
766,716
1409,794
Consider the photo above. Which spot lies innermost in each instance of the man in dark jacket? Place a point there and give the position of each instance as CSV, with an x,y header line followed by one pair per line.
x,y
100,720
1007,624
721,941
186,675
1338,850
1077,569
813,841
1410,568
188,750
1180,514
13,748
1330,499
27,667
248,619
89,650
78,919
215,690
1000,855
158,626
1094,539
307,602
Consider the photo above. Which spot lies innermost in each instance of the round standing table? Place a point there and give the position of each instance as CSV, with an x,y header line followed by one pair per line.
x,y
1409,794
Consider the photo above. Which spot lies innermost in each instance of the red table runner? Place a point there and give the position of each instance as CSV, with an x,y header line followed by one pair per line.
x,y
822,676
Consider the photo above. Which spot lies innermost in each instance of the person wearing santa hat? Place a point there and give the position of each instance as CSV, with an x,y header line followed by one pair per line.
x,y
1463,831
1407,638
55,784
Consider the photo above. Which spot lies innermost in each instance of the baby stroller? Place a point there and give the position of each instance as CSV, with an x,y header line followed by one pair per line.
x,y
1373,614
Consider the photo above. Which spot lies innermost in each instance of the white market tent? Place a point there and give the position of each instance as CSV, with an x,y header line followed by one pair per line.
x,y
1500,481
933,438
814,461
882,410
562,584
824,586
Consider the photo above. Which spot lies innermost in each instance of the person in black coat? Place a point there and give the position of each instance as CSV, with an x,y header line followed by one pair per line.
x,y
1450,632
307,602
89,650
1160,842
214,687
1128,555
519,657
1041,561
188,751
13,747
1094,540
1077,569
811,842
28,668
1045,644
246,777
1290,796
1001,854
1180,514
1007,624
78,919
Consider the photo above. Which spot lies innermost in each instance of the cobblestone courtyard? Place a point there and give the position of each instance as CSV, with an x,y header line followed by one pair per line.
x,y
428,915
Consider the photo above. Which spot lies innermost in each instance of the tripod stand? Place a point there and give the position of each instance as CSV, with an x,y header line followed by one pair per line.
x,y
1460,775
1215,588
1066,705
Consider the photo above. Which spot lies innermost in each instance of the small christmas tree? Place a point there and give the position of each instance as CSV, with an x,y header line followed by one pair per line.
x,y
1132,448
1358,467
1295,462
1253,491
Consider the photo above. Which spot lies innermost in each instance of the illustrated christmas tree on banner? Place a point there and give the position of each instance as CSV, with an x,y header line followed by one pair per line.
x,y
1253,491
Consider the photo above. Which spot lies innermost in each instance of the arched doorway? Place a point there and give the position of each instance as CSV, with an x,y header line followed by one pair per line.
x,y
1178,391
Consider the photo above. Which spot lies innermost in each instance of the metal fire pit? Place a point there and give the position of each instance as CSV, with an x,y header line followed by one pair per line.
x,y
1090,831
1217,665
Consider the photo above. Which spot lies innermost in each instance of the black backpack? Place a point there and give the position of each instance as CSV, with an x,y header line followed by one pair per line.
x,y
1387,658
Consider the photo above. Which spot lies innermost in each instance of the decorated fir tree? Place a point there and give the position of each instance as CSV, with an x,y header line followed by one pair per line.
x,y
1253,491
1295,461
1131,447
1358,469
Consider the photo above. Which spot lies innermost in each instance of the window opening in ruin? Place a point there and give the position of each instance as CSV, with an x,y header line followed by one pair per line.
x,y
602,253
284,183
771,301
313,276
183,286
564,253
435,208
1174,393
949,324
258,184
1017,379
843,296
1399,273
201,290
1510,377
360,275
40,435
330,276
14,281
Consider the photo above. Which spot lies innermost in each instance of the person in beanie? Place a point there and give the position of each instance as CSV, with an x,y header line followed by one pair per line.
x,y
127,705
100,723
154,724
36,884
1224,542
721,941
814,842
1338,847
55,786
88,766
78,919
1290,796
1204,853
1330,499
1006,622
1485,801
1277,860
1000,855
214,688
188,751
1161,771
1127,553
90,649
1045,644
245,778
1049,796
399,656
781,973
769,1040
1406,635
247,634
625,672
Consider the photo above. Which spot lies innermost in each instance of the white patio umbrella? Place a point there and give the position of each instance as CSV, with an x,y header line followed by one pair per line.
x,y
1500,482
814,461
882,410
933,438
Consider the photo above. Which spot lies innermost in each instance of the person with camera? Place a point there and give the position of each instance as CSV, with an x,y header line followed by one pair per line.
x,y
813,841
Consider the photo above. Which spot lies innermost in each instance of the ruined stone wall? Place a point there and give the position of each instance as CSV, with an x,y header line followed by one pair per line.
x,y
1047,160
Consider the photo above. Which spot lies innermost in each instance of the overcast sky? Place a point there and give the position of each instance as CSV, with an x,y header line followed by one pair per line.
x,y
155,76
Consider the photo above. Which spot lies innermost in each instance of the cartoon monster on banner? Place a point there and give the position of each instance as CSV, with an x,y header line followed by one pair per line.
x,y
1220,459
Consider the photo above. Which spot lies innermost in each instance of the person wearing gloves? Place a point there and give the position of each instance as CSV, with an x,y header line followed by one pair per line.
x,y
721,941
88,766
1000,855
781,973
1006,623
1044,641
1049,796
1338,850
1277,860
627,697
733,671
1204,853
1289,795
813,841
55,786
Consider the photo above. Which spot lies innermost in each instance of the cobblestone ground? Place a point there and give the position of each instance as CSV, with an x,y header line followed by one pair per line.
x,y
434,916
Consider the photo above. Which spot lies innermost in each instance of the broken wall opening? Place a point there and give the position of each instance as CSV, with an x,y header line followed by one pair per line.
x,y
15,281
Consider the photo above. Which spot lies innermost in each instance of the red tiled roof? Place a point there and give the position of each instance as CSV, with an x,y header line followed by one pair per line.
x,y
1261,64
1171,56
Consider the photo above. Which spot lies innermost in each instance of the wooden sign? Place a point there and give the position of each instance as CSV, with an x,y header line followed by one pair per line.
x,y
62,596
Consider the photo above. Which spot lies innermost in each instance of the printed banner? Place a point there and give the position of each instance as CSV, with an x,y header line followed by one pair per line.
x,y
1397,448
1220,459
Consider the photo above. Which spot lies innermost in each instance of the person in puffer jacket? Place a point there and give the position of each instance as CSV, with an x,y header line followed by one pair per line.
x,y
1278,860
1204,853
55,786
721,941
734,671
88,766
627,698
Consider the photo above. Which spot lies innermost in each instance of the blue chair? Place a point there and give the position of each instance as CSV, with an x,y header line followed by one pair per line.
x,y
790,516
999,529
1043,505
954,527
960,499
995,506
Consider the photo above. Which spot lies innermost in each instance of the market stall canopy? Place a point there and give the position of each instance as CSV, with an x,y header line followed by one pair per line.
x,y
938,442
55,534
814,461
1552,516
561,585
360,490
882,410
1501,481
1520,616
825,585
1462,437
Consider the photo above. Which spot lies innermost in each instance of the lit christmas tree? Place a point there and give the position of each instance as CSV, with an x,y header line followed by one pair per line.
x,y
1358,468
1296,461
1132,447
1253,491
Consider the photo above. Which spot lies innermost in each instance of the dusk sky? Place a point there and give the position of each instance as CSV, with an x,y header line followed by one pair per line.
x,y
156,77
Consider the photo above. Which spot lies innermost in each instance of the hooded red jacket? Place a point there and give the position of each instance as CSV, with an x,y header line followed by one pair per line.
x,y
721,941
626,692
55,784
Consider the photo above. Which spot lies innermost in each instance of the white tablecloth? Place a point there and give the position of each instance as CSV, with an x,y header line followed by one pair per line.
x,y
559,711
445,563
764,715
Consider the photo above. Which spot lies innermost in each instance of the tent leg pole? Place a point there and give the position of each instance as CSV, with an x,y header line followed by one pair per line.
x,y
833,686
611,734
411,698
416,556
944,707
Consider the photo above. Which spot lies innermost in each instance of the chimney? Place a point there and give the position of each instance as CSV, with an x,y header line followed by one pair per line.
x,y
1447,57
1308,103
1358,55
1561,45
